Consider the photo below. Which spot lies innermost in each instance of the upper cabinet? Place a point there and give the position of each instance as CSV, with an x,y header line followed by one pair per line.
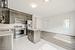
x,y
19,17
4,12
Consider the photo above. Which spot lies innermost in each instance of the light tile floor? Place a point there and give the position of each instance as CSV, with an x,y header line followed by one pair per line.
x,y
24,44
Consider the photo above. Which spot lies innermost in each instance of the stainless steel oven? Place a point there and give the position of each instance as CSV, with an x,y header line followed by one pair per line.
x,y
19,30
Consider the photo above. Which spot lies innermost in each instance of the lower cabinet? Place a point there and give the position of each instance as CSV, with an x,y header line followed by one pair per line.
x,y
6,42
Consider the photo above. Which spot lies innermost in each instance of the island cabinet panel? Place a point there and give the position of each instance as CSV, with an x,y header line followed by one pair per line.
x,y
6,42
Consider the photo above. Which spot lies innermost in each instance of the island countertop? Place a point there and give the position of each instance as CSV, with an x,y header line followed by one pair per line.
x,y
5,33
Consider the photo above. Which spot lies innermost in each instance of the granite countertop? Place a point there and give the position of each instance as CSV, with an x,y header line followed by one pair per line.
x,y
34,29
5,32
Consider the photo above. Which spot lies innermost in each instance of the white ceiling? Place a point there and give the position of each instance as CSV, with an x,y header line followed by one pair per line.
x,y
51,8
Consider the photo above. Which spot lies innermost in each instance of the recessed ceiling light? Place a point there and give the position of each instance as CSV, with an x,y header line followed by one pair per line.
x,y
33,5
46,0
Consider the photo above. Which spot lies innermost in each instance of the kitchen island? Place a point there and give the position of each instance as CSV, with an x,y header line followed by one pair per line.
x,y
6,38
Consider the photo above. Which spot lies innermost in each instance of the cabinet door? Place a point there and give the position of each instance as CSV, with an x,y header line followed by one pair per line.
x,y
19,18
6,42
12,17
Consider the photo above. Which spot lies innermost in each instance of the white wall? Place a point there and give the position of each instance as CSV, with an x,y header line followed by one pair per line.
x,y
52,23
63,24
